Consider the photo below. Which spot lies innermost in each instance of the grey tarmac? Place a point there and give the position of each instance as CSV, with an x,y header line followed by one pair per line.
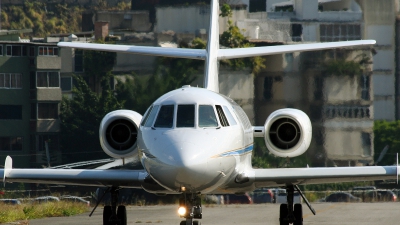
x,y
256,214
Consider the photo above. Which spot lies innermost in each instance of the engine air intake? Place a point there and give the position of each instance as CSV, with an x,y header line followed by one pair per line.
x,y
284,133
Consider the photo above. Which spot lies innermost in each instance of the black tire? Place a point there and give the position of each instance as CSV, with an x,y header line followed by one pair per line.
x,y
121,215
196,222
107,212
283,213
183,222
298,214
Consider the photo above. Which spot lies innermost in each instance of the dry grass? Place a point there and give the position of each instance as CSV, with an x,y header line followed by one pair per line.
x,y
12,213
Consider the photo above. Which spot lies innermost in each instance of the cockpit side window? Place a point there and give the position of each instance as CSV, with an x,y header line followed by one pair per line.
x,y
146,115
152,115
185,116
207,116
165,118
221,116
228,114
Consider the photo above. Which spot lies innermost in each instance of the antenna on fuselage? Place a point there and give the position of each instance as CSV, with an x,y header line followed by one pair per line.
x,y
211,61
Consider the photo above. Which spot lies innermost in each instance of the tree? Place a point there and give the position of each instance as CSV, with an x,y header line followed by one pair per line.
x,y
233,38
387,133
80,120
170,73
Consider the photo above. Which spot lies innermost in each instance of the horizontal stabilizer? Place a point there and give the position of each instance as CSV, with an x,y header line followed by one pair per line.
x,y
233,53
141,50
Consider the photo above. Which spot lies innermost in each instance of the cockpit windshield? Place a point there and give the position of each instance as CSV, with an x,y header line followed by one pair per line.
x,y
165,118
207,116
185,116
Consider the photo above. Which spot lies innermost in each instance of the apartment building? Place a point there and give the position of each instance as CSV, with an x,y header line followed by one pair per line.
x,y
30,96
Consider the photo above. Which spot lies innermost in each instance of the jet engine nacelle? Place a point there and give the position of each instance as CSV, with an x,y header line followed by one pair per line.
x,y
118,133
287,132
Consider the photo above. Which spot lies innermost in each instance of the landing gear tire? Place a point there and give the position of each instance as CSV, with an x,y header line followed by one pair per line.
x,y
121,215
298,214
183,222
196,222
283,214
107,212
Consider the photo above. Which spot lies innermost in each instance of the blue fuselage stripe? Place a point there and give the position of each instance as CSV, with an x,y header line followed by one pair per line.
x,y
238,152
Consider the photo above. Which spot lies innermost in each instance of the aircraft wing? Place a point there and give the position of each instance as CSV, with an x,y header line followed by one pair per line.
x,y
141,50
233,53
81,177
283,176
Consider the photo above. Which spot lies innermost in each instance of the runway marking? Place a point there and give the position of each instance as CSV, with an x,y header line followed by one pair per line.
x,y
324,209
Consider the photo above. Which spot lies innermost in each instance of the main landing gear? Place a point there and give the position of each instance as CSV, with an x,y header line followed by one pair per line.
x,y
291,213
190,208
113,215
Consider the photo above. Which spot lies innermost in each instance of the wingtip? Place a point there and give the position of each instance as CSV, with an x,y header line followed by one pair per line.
x,y
7,168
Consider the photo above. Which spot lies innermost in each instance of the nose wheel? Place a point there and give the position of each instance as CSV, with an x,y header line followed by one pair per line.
x,y
190,209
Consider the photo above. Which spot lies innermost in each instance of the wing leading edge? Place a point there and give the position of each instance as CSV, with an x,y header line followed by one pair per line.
x,y
284,176
95,177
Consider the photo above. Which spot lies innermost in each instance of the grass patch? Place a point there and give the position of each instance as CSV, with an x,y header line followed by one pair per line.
x,y
11,213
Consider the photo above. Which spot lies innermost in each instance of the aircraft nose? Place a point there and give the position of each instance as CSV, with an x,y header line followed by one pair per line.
x,y
185,164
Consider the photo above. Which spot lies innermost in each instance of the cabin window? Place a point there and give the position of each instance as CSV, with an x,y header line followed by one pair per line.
x,y
152,115
207,116
185,116
229,116
165,117
146,115
221,116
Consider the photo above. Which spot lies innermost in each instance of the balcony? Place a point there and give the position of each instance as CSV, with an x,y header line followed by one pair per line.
x,y
48,62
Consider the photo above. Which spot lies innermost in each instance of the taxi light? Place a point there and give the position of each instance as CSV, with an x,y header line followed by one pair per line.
x,y
183,189
182,211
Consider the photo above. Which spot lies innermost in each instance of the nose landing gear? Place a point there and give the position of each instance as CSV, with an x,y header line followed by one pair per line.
x,y
113,215
190,208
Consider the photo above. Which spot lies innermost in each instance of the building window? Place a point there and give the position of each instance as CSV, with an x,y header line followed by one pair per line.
x,y
16,50
78,60
297,32
268,82
38,142
10,112
366,143
11,80
11,143
339,32
32,51
47,79
66,83
47,110
48,51
365,87
1,49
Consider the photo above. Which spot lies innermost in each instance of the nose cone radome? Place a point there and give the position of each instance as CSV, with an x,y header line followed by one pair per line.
x,y
184,164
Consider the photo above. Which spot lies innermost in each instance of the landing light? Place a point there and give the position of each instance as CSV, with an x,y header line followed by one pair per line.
x,y
182,211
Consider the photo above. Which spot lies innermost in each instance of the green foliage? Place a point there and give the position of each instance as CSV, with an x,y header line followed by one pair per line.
x,y
170,74
80,119
387,133
342,67
43,20
233,38
12,213
262,158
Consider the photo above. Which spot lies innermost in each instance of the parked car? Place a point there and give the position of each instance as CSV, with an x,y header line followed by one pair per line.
x,y
46,199
342,197
237,199
10,201
263,196
386,196
281,197
366,193
75,199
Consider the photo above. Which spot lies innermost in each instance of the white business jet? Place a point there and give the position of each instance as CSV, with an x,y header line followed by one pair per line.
x,y
194,141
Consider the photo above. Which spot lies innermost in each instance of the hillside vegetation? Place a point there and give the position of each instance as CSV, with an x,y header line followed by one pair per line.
x,y
46,19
